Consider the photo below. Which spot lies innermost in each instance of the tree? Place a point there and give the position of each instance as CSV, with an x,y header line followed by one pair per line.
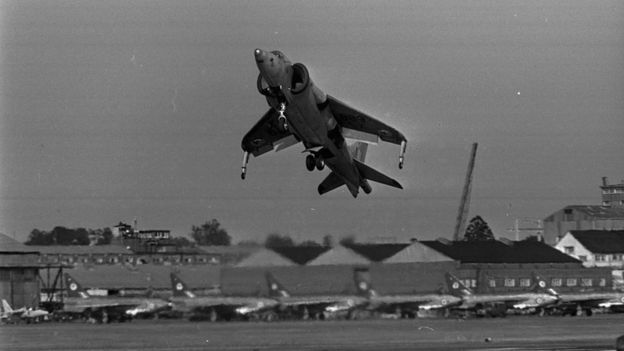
x,y
274,240
347,241
211,233
38,237
182,241
478,230
310,243
104,236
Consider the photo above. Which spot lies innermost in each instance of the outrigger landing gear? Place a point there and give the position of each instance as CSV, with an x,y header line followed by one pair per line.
x,y
244,168
402,154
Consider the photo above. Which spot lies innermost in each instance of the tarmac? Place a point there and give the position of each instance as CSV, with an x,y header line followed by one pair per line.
x,y
598,332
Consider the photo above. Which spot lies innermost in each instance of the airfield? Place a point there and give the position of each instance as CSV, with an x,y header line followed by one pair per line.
x,y
513,333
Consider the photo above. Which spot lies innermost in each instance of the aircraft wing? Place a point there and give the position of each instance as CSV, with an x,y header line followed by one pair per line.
x,y
354,120
267,135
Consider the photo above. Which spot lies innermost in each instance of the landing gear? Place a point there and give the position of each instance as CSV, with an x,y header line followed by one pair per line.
x,y
314,161
310,163
283,123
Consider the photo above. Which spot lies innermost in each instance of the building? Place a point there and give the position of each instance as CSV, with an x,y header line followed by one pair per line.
x,y
595,248
19,272
612,194
582,217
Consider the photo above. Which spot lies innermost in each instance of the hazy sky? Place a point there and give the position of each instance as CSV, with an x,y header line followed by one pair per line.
x,y
114,110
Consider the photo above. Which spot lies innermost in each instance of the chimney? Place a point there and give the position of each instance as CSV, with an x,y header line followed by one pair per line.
x,y
605,181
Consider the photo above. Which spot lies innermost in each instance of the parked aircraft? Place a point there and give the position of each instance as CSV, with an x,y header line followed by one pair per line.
x,y
300,112
575,303
313,306
107,308
403,305
27,314
216,308
497,304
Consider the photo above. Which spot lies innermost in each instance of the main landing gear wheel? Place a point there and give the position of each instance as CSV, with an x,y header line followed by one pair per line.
x,y
310,163
320,164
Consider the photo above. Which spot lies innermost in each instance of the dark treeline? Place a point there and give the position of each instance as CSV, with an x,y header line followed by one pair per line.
x,y
68,236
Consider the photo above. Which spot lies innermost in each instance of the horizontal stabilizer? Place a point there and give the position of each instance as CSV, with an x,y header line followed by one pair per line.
x,y
330,183
371,174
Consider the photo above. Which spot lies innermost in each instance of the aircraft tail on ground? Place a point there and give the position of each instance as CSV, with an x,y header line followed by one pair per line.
x,y
74,289
456,287
540,286
180,289
276,289
368,173
363,284
6,308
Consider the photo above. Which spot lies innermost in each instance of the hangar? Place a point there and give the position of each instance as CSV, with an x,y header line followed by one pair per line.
x,y
19,271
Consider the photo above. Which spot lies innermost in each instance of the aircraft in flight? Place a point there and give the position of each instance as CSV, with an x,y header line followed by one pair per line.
x,y
538,297
300,112
107,308
216,308
403,305
313,306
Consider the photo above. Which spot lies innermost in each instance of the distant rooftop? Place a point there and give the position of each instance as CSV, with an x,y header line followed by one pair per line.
x,y
496,251
601,241
8,244
377,252
597,212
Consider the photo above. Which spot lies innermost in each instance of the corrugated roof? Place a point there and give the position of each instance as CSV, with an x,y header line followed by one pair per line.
x,y
8,244
377,252
339,255
81,249
601,241
301,254
495,251
265,258
417,252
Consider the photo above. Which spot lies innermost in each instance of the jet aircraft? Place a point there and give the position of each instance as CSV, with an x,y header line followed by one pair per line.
x,y
218,307
106,309
300,112
315,306
538,297
404,305
27,314
574,303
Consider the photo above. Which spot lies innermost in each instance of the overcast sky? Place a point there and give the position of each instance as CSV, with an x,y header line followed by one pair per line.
x,y
115,110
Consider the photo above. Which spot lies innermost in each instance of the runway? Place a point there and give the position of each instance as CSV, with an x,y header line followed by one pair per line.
x,y
512,333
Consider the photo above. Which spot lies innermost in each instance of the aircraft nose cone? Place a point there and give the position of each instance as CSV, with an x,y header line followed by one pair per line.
x,y
259,54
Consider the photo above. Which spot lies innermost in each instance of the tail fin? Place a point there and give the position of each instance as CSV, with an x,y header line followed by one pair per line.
x,y
540,286
362,283
368,173
276,289
74,289
456,287
358,150
180,289
6,307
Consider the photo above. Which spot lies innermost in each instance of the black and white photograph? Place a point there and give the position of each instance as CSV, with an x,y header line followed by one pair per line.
x,y
311,175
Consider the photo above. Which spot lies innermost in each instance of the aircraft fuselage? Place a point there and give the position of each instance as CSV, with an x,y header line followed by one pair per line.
x,y
306,116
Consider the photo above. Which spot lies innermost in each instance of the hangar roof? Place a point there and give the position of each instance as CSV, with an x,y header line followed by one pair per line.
x,y
337,256
82,249
601,241
595,211
265,258
8,244
417,252
377,252
301,254
495,251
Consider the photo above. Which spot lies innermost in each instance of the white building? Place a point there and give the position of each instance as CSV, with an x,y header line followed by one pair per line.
x,y
595,248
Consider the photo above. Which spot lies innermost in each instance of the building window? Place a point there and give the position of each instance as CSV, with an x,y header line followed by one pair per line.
x,y
602,282
525,282
556,282
569,250
600,258
617,257
510,282
492,283
582,258
587,282
571,282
